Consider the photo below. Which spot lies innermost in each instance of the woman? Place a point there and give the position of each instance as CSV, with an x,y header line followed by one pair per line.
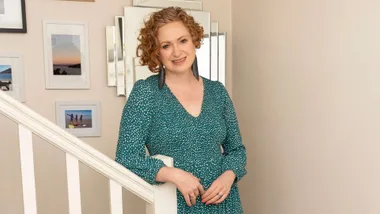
x,y
179,114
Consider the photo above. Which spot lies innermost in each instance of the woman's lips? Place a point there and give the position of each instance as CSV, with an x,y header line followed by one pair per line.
x,y
179,61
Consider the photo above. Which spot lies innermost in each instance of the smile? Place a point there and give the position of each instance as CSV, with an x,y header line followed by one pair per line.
x,y
179,61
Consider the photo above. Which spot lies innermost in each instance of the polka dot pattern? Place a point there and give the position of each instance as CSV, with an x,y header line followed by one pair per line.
x,y
155,119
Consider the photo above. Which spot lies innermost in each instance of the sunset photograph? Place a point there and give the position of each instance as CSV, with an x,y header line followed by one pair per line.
x,y
66,54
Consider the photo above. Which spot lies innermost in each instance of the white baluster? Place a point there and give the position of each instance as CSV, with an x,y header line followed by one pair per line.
x,y
27,170
165,196
73,184
116,198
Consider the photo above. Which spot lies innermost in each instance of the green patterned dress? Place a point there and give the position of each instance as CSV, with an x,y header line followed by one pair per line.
x,y
154,118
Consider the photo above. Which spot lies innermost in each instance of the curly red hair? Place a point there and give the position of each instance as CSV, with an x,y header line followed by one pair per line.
x,y
149,48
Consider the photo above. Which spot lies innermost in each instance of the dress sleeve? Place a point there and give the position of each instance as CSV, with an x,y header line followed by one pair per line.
x,y
133,133
235,157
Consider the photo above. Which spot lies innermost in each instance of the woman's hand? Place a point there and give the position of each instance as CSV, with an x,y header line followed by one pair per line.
x,y
187,183
219,189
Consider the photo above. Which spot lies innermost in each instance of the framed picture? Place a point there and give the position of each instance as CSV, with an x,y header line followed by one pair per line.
x,y
80,0
110,53
66,55
192,5
12,16
12,76
81,118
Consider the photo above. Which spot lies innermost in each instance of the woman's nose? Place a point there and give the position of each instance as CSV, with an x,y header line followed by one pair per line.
x,y
177,51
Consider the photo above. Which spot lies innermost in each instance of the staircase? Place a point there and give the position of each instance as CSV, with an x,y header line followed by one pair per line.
x,y
159,199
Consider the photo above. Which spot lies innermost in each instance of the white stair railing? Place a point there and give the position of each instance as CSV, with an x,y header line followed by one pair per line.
x,y
159,199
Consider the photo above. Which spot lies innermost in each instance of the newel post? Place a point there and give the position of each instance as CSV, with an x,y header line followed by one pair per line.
x,y
165,196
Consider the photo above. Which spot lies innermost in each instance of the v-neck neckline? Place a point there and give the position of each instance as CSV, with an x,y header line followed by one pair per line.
x,y
180,104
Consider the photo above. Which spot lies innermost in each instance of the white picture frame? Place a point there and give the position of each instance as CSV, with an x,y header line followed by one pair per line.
x,y
187,4
222,57
66,55
80,118
12,76
214,51
120,55
111,55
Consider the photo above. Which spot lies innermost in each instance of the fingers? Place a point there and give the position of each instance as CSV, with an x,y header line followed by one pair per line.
x,y
218,198
193,199
210,193
221,199
214,195
196,192
190,187
193,195
187,199
201,190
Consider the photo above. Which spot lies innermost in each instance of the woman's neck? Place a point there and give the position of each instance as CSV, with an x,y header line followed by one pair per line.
x,y
185,78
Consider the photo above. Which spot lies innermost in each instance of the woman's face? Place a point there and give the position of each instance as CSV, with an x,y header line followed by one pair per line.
x,y
177,50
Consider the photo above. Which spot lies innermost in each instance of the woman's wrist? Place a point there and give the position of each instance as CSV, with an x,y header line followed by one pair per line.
x,y
230,174
165,174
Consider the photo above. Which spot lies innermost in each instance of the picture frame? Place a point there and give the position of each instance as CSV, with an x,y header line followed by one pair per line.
x,y
120,55
66,55
111,55
80,118
12,76
80,0
12,16
186,4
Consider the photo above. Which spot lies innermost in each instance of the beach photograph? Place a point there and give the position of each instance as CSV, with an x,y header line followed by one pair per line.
x,y
78,119
5,77
66,54
2,8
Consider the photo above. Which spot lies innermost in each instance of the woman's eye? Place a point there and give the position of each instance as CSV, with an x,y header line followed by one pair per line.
x,y
183,40
165,46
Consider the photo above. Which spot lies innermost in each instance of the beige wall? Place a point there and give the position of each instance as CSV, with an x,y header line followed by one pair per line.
x,y
306,87
50,162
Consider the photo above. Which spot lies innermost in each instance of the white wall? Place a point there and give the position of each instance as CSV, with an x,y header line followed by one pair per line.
x,y
306,86
50,162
